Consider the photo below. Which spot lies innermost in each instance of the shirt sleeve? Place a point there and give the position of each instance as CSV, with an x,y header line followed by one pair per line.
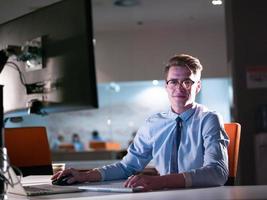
x,y
138,156
215,142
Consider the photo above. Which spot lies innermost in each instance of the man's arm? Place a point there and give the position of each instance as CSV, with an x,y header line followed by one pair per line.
x,y
215,167
138,156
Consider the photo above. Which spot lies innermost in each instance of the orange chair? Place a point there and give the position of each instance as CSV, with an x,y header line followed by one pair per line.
x,y
233,131
66,147
99,145
28,149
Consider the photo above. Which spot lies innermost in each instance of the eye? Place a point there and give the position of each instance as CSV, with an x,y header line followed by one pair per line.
x,y
187,82
172,82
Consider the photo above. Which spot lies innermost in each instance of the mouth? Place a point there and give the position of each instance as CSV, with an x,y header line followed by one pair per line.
x,y
179,96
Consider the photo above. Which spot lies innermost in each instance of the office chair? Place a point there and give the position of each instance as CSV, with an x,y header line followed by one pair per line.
x,y
233,131
101,145
28,149
66,147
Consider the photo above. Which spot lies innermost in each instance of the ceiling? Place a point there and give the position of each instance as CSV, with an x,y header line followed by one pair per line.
x,y
147,14
11,9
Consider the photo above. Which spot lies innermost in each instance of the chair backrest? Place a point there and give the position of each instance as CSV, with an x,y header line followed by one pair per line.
x,y
28,149
233,131
101,145
66,147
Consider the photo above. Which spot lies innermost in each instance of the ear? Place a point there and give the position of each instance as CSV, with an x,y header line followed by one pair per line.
x,y
198,88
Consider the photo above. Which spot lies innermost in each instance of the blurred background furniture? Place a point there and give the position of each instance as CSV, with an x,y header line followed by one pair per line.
x,y
101,145
66,147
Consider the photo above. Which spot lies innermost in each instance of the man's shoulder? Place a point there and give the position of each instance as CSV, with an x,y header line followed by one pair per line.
x,y
202,109
205,113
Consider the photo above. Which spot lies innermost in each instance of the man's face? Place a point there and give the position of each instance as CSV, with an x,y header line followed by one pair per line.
x,y
183,86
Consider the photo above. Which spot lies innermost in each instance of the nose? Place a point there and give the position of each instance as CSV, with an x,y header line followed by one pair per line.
x,y
179,85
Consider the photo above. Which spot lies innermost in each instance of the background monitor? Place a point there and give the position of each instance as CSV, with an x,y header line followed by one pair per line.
x,y
62,76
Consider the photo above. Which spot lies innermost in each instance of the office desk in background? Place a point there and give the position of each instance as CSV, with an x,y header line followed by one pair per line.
x,y
222,193
61,156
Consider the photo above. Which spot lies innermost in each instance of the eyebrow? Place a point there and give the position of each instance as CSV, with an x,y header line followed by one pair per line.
x,y
181,79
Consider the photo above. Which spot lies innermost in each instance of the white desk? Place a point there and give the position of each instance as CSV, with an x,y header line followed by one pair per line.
x,y
223,193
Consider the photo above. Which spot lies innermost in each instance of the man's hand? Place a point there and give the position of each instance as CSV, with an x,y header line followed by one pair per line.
x,y
78,176
147,182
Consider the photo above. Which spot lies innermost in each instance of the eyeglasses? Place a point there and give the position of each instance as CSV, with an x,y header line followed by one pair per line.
x,y
186,84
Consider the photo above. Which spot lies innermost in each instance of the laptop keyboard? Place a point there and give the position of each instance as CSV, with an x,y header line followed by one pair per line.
x,y
33,190
49,189
36,189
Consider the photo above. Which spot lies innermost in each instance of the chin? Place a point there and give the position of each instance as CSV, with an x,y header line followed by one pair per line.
x,y
180,102
180,99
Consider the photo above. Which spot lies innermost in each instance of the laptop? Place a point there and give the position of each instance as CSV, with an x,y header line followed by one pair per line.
x,y
35,190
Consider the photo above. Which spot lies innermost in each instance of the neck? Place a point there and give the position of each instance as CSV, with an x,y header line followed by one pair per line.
x,y
181,108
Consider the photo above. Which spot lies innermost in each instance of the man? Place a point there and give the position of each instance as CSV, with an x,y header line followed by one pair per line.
x,y
187,143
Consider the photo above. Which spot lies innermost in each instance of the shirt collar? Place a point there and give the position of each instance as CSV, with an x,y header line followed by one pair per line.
x,y
184,115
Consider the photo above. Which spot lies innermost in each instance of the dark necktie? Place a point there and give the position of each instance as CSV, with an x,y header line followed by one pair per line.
x,y
176,143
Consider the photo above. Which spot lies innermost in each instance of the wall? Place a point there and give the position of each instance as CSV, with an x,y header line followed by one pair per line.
x,y
140,54
123,112
247,47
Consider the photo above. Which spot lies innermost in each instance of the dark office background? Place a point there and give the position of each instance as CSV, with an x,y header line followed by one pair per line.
x,y
246,44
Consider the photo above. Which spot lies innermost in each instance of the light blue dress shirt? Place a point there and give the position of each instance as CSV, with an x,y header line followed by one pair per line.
x,y
202,155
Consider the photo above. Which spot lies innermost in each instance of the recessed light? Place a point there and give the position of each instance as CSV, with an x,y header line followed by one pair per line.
x,y
155,82
216,2
126,3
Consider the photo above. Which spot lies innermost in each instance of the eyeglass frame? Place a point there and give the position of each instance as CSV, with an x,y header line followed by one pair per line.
x,y
181,83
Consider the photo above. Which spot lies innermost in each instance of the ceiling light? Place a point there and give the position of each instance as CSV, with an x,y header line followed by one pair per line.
x,y
155,82
114,87
126,3
216,2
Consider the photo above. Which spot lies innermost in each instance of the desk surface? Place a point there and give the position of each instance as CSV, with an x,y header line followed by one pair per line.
x,y
223,193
